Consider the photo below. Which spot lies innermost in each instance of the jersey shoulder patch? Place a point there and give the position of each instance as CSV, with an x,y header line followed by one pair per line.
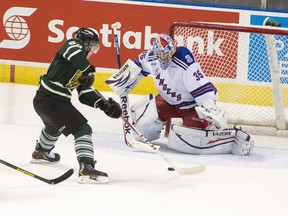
x,y
70,47
151,56
142,60
145,54
74,42
183,57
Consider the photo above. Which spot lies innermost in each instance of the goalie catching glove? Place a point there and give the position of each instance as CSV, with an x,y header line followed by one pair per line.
x,y
213,114
110,107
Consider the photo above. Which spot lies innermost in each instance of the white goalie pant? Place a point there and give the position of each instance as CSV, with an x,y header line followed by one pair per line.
x,y
145,118
207,142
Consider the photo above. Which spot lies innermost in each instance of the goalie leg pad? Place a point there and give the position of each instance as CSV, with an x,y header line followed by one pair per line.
x,y
199,141
244,145
145,118
205,142
144,111
150,131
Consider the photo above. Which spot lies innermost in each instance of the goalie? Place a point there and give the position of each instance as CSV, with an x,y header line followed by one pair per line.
x,y
185,93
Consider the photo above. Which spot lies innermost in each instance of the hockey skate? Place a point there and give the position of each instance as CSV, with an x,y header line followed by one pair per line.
x,y
89,175
40,155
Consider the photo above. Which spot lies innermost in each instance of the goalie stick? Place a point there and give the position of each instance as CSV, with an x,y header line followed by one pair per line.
x,y
124,102
183,171
127,126
150,147
61,178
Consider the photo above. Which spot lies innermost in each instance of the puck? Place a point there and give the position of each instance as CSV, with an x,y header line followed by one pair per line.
x,y
171,169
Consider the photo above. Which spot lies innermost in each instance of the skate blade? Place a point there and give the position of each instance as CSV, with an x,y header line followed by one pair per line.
x,y
88,180
42,161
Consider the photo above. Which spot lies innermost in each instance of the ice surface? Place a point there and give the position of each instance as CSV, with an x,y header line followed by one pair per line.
x,y
139,182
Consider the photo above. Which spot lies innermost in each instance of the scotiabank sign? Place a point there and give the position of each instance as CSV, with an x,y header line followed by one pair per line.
x,y
215,50
34,30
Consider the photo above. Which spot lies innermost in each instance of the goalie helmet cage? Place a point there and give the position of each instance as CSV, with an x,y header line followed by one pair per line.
x,y
249,67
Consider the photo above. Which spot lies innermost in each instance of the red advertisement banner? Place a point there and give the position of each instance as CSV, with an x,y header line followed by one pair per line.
x,y
33,30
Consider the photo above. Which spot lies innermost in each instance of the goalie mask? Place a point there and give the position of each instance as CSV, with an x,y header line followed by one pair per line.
x,y
90,40
164,49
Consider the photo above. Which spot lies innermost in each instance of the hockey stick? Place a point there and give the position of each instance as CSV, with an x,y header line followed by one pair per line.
x,y
116,26
125,104
183,171
48,181
127,130
147,145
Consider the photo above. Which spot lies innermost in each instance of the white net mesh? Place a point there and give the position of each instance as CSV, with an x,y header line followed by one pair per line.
x,y
237,63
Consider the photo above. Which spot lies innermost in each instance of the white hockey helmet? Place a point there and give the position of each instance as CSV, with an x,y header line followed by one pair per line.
x,y
163,49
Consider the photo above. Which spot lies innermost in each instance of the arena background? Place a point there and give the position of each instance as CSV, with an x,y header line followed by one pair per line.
x,y
44,26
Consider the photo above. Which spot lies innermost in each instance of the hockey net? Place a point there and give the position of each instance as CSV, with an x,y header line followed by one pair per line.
x,y
249,67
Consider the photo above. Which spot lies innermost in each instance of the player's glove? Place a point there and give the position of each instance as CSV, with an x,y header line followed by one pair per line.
x,y
110,107
87,78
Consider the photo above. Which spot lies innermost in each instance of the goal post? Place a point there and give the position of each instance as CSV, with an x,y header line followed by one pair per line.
x,y
249,67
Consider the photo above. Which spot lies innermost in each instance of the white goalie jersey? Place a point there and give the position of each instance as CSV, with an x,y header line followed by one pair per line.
x,y
182,83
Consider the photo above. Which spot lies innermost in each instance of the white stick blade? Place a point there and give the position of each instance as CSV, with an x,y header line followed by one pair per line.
x,y
146,147
191,170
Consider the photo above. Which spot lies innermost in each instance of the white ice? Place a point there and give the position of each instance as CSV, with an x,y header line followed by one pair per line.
x,y
140,184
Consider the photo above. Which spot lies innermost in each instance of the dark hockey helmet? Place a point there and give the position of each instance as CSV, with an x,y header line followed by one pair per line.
x,y
89,38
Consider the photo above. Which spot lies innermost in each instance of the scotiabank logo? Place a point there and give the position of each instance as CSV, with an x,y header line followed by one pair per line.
x,y
215,50
16,27
205,43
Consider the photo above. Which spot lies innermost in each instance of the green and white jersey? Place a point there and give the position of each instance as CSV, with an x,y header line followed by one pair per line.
x,y
64,71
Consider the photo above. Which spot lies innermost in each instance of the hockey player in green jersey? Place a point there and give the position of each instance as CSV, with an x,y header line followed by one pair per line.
x,y
71,70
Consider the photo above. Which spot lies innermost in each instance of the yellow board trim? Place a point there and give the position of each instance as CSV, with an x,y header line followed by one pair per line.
x,y
4,73
248,94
